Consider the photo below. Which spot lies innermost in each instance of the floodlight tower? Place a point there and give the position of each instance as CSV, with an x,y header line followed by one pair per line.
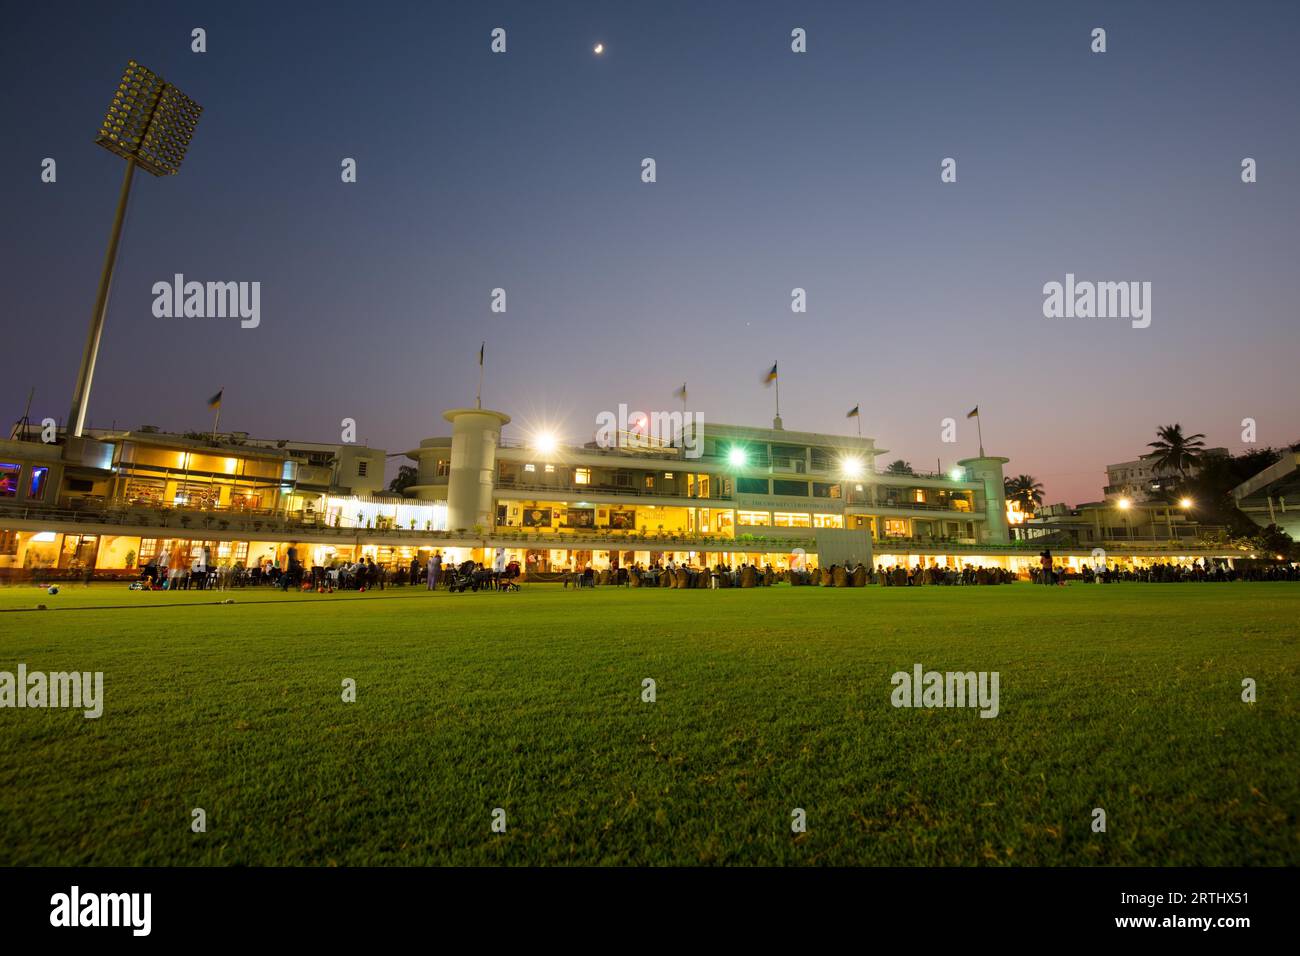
x,y
149,124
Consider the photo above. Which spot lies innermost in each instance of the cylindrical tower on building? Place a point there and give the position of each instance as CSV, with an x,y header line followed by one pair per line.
x,y
475,433
988,470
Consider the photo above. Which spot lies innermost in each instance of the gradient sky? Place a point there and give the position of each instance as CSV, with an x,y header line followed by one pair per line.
x,y
775,170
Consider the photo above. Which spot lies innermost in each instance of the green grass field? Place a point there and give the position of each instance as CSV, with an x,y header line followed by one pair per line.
x,y
1124,697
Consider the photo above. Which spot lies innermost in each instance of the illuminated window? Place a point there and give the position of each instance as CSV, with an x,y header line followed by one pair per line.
x,y
148,550
530,467
895,528
444,468
582,476
828,521
668,474
36,487
761,518
8,542
791,519
550,469
650,481
8,481
918,496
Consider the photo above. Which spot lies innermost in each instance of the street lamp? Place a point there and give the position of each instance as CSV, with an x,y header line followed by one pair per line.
x,y
1185,504
149,123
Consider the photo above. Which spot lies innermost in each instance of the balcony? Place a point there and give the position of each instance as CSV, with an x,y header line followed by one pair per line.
x,y
542,489
948,507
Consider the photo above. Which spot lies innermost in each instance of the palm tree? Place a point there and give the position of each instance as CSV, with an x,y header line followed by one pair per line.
x,y
1174,451
899,467
1025,489
407,475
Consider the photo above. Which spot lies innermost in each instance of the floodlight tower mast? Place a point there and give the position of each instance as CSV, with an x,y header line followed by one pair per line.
x,y
149,123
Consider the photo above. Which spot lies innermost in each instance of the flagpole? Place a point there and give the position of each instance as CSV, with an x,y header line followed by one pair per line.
x,y
859,418
217,421
979,427
478,396
778,393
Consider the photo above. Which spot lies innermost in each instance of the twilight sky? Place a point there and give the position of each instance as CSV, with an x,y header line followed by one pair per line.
x,y
775,171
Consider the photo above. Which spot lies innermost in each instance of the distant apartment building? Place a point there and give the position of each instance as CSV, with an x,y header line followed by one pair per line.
x,y
1140,480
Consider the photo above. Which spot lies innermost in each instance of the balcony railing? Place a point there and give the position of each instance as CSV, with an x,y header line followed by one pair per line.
x,y
511,484
918,506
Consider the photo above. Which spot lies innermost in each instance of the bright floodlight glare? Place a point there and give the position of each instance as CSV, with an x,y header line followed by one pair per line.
x,y
736,457
544,442
1124,504
851,467
149,121
1185,503
957,474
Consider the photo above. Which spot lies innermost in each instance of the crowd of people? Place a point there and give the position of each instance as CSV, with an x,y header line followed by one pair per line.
x,y
721,575
163,573
1182,574
197,572
1198,571
672,574
917,576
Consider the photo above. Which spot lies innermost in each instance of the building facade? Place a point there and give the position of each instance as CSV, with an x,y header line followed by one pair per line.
x,y
750,490
1141,480
106,502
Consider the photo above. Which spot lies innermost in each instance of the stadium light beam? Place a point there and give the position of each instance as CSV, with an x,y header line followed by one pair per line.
x,y
150,124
